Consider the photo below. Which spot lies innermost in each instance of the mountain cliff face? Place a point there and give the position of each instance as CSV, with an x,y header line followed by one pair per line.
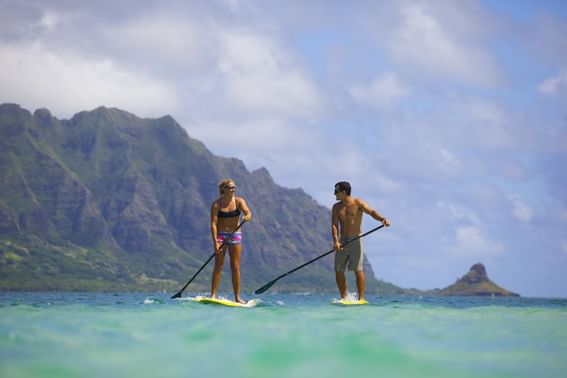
x,y
477,283
107,200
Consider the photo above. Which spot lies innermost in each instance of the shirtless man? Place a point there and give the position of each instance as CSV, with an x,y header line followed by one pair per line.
x,y
346,222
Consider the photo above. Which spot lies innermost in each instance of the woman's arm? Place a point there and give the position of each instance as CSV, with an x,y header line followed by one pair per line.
x,y
244,208
214,221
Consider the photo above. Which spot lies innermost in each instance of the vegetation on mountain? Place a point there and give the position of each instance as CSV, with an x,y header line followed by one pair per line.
x,y
476,283
110,201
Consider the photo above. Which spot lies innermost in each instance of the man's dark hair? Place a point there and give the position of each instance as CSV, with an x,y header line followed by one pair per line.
x,y
343,186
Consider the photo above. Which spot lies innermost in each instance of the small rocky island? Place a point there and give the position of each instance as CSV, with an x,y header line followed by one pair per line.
x,y
476,283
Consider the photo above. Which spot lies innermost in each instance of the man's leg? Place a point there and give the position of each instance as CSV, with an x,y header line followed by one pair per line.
x,y
341,283
360,284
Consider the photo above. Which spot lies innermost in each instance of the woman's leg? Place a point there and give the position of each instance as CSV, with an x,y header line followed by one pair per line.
x,y
235,268
217,271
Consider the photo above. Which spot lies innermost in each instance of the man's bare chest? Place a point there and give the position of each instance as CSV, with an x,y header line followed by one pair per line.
x,y
348,212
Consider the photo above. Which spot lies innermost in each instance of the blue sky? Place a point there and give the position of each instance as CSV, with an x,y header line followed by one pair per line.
x,y
446,116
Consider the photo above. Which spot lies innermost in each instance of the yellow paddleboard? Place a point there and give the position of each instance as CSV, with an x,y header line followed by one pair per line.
x,y
342,302
225,302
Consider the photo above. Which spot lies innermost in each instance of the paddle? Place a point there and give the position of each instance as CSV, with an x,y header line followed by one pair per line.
x,y
271,283
178,294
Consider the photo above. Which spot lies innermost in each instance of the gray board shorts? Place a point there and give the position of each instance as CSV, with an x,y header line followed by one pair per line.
x,y
351,254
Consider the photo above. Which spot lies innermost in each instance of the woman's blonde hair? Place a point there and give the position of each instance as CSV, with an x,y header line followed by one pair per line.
x,y
224,183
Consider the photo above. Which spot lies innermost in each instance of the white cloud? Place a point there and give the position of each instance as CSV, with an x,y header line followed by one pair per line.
x,y
234,5
166,42
262,79
50,20
473,122
294,152
486,112
456,213
383,183
519,208
384,91
423,40
514,170
34,77
259,135
471,241
450,162
554,85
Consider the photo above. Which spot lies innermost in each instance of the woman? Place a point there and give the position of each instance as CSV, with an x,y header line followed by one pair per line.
x,y
225,217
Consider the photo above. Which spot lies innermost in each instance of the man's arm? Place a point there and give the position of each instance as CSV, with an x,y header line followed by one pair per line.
x,y
373,213
335,229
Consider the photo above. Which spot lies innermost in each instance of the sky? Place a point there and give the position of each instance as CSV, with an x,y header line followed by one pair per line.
x,y
448,117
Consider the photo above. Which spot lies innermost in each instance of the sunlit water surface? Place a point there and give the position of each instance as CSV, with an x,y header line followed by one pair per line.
x,y
142,335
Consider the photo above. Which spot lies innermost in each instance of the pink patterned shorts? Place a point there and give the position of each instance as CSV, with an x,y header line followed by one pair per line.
x,y
235,239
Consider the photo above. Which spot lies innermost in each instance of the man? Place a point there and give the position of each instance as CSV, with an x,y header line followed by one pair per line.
x,y
346,222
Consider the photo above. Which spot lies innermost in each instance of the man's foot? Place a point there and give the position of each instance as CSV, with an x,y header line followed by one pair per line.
x,y
239,300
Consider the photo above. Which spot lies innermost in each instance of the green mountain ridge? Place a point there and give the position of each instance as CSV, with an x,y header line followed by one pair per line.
x,y
110,201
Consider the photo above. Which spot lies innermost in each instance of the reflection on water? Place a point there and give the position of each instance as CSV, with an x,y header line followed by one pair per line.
x,y
136,334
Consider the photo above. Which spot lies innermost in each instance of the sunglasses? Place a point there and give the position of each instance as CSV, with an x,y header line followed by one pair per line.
x,y
230,187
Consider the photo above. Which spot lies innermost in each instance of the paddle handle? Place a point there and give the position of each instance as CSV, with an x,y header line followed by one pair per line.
x,y
332,250
178,294
271,283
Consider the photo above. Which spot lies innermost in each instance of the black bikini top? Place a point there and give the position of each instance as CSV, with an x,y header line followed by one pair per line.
x,y
228,214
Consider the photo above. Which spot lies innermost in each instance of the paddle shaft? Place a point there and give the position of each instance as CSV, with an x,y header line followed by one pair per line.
x,y
178,294
271,283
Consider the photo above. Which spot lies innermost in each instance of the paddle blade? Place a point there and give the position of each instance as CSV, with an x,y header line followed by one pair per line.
x,y
178,295
265,287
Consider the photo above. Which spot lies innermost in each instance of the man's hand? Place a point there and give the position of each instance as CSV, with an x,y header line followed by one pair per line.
x,y
337,246
386,222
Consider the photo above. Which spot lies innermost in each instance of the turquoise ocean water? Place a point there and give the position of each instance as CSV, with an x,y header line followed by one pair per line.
x,y
142,335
